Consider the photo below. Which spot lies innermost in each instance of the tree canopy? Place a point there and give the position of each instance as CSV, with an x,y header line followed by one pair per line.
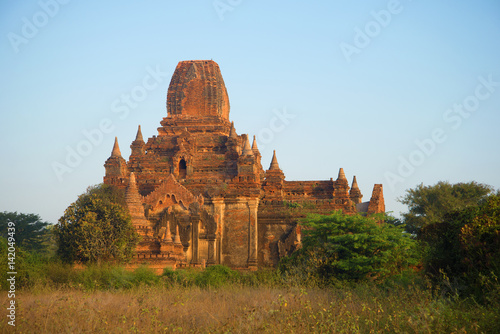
x,y
465,246
31,232
96,228
351,247
429,204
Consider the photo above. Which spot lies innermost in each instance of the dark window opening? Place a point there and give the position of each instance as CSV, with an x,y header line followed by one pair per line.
x,y
182,169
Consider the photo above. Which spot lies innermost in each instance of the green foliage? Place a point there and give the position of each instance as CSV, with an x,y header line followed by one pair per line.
x,y
145,275
291,205
464,249
216,276
113,278
213,276
429,204
32,268
96,228
108,193
350,247
389,219
20,265
103,278
185,278
30,232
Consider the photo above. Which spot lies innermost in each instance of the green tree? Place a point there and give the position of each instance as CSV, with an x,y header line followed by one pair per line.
x,y
96,228
429,204
351,247
31,233
465,246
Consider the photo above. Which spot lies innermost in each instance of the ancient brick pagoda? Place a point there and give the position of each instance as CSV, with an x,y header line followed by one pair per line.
x,y
197,192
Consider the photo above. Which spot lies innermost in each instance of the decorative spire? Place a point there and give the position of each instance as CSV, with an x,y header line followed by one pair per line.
x,y
137,145
247,150
138,137
132,193
232,132
116,149
355,193
274,162
255,149
341,175
168,234
354,183
131,183
177,239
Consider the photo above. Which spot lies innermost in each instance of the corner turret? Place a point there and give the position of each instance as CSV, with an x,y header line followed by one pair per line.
x,y
377,203
135,208
274,162
341,190
258,157
355,193
273,182
246,149
138,144
116,167
248,170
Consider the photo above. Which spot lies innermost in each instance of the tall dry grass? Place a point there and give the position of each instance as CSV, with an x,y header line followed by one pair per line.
x,y
243,309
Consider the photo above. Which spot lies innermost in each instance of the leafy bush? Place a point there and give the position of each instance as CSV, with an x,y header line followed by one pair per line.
x,y
429,204
104,278
185,277
96,228
463,250
59,273
349,247
145,275
29,266
216,276
213,276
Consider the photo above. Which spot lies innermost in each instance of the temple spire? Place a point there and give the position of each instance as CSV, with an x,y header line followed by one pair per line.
x,y
132,184
138,137
137,145
232,132
274,162
132,196
341,175
247,150
355,193
354,183
116,149
254,144
255,149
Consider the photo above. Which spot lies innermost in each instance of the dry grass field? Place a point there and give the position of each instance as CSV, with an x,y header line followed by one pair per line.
x,y
235,308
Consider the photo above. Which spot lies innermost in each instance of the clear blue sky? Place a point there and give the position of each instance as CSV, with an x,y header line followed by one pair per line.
x,y
365,83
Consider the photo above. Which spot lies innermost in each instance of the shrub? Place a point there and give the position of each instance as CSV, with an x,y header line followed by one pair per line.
x,y
96,228
104,278
216,276
185,277
145,275
463,250
349,247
